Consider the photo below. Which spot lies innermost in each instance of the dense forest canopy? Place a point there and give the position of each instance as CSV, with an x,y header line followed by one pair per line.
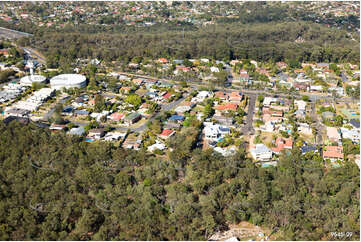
x,y
56,187
261,42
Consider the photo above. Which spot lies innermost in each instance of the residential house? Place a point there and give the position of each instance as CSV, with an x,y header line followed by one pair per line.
x,y
222,120
67,110
167,96
78,102
202,95
269,126
166,133
116,116
355,124
267,101
261,152
214,69
316,88
227,107
235,97
333,153
171,125
111,136
300,114
163,60
96,133
77,131
157,146
352,134
304,128
215,132
138,81
132,118
308,148
328,115
16,112
333,134
182,109
176,118
300,86
81,113
225,151
301,105
221,95
281,144
57,127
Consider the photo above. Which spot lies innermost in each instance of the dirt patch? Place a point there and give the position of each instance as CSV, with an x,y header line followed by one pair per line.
x,y
242,231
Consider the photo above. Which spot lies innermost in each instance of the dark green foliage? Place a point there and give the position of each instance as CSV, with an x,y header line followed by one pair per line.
x,y
262,42
96,191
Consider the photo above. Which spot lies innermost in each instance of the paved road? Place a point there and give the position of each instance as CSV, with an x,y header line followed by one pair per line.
x,y
12,34
313,97
33,55
164,107
317,124
248,127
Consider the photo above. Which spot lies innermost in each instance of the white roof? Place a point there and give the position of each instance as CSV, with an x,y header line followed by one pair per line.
x,y
232,239
67,79
32,78
260,148
268,100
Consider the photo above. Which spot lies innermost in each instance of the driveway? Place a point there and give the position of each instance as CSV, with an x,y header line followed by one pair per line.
x,y
248,127
51,111
317,124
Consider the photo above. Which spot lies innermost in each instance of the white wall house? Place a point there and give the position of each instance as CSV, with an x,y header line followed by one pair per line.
x,y
214,132
261,152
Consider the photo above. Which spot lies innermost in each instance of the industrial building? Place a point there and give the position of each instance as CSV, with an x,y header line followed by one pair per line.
x,y
68,81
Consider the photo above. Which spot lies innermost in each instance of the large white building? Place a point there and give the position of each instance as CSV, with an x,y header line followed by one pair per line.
x,y
68,81
215,132
261,152
29,80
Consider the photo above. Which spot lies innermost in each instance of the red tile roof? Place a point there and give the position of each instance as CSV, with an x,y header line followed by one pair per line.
x,y
333,152
163,60
117,116
229,106
221,95
167,132
282,143
167,95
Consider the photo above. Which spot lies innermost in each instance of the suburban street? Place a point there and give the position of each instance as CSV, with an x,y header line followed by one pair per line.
x,y
312,97
165,107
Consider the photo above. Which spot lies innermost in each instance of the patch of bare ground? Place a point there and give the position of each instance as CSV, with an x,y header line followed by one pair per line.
x,y
242,231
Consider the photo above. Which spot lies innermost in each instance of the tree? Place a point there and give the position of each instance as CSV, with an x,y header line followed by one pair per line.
x,y
99,103
260,98
305,98
134,100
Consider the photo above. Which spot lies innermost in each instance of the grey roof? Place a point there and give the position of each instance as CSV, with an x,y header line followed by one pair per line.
x,y
328,114
261,148
308,148
81,112
77,131
355,123
132,116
